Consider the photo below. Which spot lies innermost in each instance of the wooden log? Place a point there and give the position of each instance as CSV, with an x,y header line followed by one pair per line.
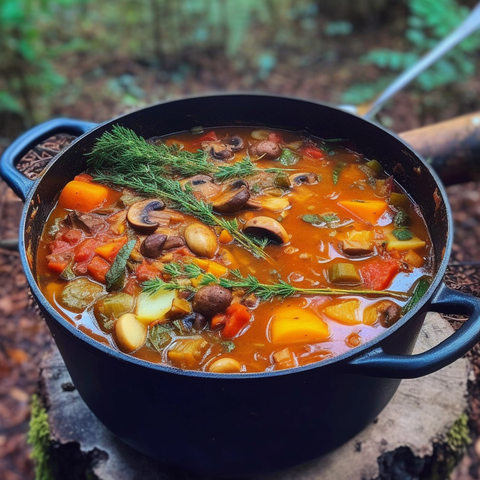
x,y
451,147
406,437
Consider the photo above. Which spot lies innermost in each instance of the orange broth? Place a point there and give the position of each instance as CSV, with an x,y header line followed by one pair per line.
x,y
305,261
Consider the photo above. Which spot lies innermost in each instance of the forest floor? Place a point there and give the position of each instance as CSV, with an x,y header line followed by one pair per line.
x,y
23,334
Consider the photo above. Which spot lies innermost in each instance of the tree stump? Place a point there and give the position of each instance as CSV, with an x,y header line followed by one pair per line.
x,y
420,434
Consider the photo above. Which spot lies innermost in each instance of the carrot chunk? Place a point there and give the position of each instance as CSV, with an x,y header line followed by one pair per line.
x,y
98,268
83,196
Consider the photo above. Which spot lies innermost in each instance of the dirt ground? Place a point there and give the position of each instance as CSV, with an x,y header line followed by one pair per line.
x,y
23,334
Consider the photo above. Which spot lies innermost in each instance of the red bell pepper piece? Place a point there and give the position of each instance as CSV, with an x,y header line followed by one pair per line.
x,y
207,137
378,275
237,316
313,152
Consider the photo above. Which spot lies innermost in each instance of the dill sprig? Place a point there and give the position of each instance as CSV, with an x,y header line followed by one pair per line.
x,y
123,150
251,284
145,180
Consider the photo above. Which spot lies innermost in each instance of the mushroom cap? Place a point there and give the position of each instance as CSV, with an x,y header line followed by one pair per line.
x,y
152,246
141,215
303,178
266,149
267,227
233,198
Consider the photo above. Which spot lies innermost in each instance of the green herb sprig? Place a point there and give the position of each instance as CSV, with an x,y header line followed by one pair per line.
x,y
250,284
143,179
123,149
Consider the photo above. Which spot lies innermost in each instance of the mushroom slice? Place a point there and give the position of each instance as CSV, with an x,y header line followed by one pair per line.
x,y
233,198
220,151
267,227
303,178
202,186
141,215
236,143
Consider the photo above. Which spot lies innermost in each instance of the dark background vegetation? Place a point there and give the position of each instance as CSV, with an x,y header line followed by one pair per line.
x,y
93,60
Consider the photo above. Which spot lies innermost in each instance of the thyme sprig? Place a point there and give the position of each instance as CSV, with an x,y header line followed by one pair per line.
x,y
122,149
250,284
144,179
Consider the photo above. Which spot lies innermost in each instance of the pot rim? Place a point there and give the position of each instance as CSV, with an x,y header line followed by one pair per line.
x,y
345,357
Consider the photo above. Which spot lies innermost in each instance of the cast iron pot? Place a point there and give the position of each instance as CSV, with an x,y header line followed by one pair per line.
x,y
243,424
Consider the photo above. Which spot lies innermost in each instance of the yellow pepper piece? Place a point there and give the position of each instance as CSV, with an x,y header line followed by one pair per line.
x,y
297,325
345,312
367,210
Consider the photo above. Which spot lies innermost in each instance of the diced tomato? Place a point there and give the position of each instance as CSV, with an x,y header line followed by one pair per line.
x,y
379,274
312,151
59,246
207,137
131,286
98,268
73,236
85,251
237,316
146,271
275,137
84,177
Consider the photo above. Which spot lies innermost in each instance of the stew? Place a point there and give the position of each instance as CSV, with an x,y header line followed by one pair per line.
x,y
234,249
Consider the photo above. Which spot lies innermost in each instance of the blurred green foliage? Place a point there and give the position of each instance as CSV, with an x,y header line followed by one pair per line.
x,y
429,22
41,42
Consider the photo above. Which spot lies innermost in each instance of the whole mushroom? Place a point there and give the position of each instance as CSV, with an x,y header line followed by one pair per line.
x,y
266,149
212,299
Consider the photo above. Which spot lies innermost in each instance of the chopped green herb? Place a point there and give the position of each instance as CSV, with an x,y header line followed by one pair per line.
x,y
419,291
68,273
160,335
313,218
330,218
337,172
228,346
116,273
288,158
402,219
402,234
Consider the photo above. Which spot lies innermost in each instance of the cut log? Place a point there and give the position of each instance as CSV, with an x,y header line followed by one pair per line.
x,y
409,439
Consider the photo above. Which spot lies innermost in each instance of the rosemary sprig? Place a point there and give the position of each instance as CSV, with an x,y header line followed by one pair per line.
x,y
146,181
122,149
252,285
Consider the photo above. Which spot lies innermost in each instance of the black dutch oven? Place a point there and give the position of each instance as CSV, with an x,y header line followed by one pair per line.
x,y
242,424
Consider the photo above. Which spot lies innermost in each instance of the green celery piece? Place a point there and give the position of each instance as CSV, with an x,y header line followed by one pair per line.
x,y
117,271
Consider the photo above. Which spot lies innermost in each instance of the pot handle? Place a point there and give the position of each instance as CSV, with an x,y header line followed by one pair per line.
x,y
377,363
18,182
